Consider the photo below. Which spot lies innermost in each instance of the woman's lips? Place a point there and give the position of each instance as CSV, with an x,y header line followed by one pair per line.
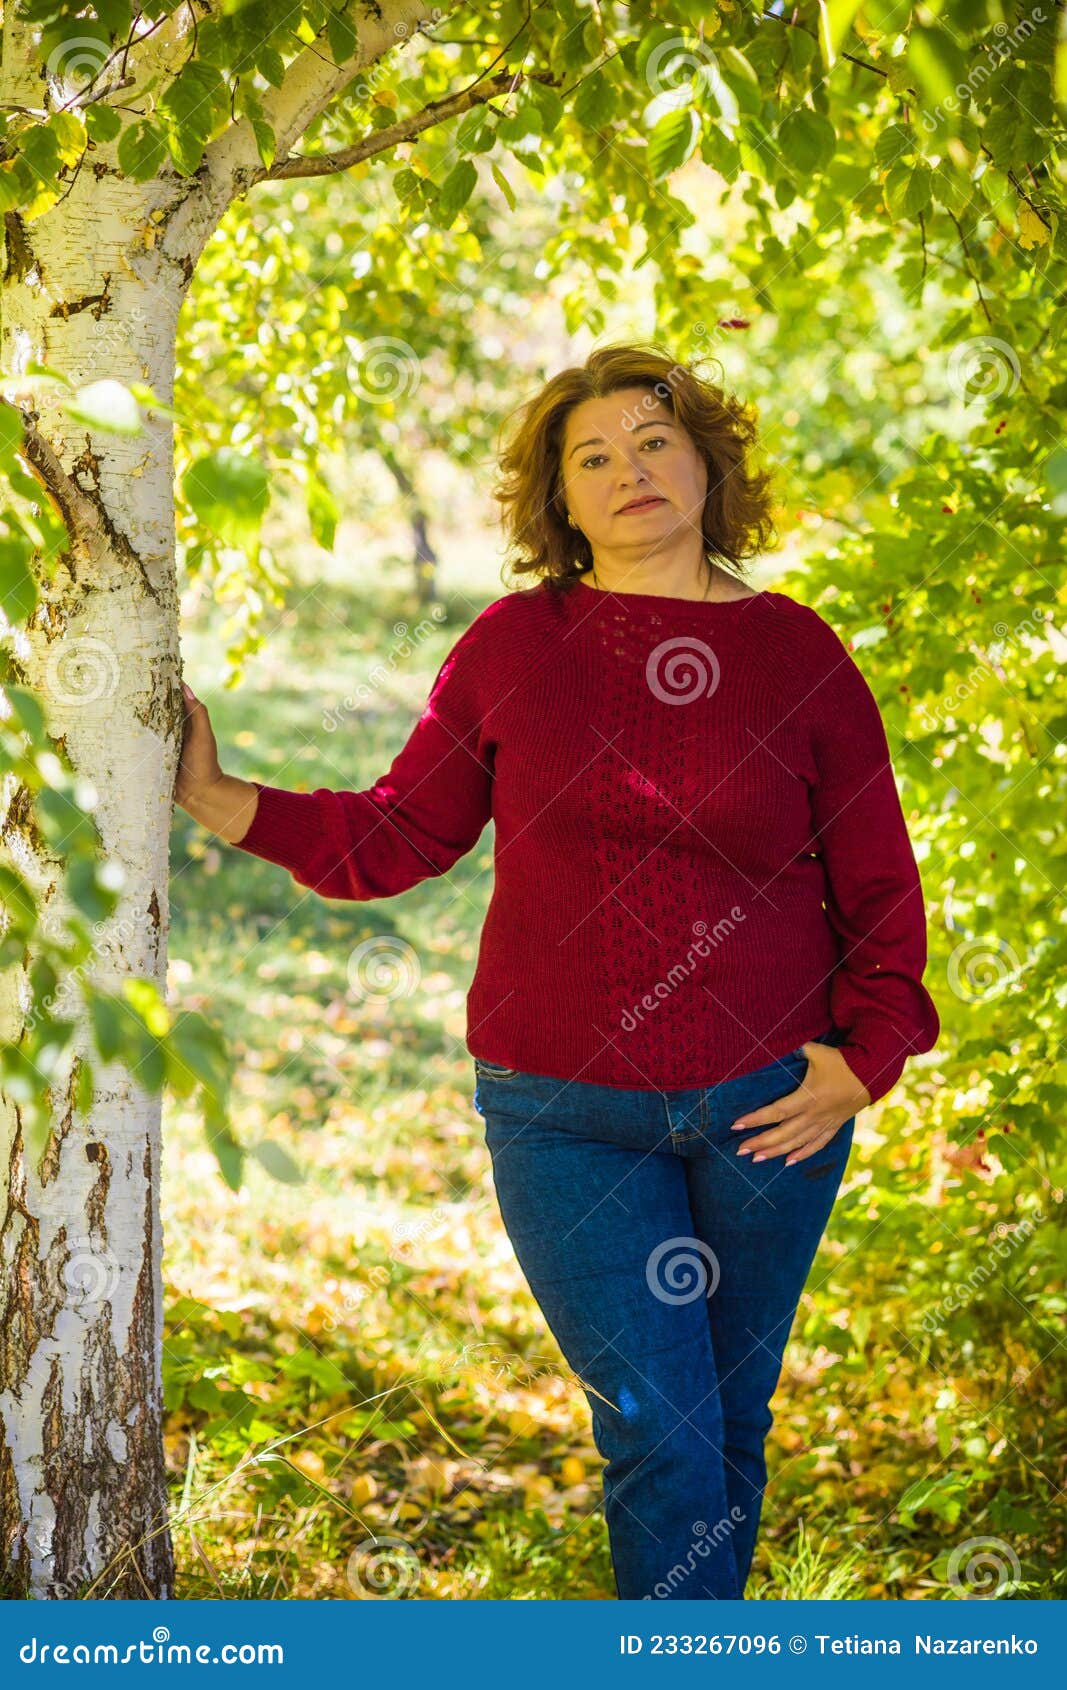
x,y
643,504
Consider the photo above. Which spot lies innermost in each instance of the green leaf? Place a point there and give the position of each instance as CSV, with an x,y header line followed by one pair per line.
x,y
504,185
907,190
142,150
939,65
278,1162
196,1053
27,711
1055,472
324,512
476,132
942,1496
266,140
893,144
143,995
40,149
807,140
230,1157
835,21
548,104
1000,194
802,49
230,493
671,141
102,123
455,191
341,35
106,1018
94,898
17,901
271,65
596,101
407,184
18,587
105,404
16,186
741,79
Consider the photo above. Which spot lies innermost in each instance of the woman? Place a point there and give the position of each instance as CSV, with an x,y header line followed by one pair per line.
x,y
705,944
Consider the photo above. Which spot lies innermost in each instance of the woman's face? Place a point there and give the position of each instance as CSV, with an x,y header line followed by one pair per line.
x,y
624,447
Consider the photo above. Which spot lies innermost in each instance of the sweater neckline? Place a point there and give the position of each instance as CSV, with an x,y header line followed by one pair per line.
x,y
662,601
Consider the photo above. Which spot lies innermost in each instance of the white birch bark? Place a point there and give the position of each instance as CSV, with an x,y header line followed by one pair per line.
x,y
93,288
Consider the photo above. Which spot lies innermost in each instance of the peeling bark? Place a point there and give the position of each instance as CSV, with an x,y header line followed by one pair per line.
x,y
93,288
82,1475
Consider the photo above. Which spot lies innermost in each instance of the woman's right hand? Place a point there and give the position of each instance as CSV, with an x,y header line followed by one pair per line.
x,y
198,768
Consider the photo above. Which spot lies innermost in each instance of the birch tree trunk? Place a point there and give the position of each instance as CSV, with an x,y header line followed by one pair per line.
x,y
81,1461
93,288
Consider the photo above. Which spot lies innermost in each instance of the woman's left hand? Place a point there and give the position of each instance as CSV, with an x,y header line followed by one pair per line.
x,y
806,1119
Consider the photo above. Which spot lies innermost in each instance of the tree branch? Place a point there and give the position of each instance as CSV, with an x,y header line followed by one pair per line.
x,y
231,163
74,505
380,140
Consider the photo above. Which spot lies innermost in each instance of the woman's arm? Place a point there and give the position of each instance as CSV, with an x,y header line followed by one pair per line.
x,y
416,820
874,898
227,807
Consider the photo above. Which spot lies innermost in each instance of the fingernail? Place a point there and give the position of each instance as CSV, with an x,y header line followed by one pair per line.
x,y
743,1149
759,1157
789,1161
738,1125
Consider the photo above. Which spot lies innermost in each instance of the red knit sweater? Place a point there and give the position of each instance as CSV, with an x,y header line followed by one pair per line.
x,y
700,855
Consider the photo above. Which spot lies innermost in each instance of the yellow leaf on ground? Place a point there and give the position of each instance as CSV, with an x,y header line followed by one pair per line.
x,y
364,1487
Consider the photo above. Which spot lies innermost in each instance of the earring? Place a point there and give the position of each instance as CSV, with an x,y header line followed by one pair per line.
x,y
571,520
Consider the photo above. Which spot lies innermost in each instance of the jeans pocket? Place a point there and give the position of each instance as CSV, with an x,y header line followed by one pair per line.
x,y
493,1070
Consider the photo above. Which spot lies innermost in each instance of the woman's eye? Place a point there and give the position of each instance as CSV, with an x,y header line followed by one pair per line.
x,y
598,457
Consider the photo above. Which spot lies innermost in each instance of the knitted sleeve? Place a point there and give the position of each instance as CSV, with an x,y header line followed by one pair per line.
x,y
418,819
874,899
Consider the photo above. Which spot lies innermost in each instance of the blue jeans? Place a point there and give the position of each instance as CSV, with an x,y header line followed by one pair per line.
x,y
669,1270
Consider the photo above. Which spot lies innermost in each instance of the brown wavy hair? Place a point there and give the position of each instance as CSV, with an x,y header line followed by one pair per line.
x,y
737,517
